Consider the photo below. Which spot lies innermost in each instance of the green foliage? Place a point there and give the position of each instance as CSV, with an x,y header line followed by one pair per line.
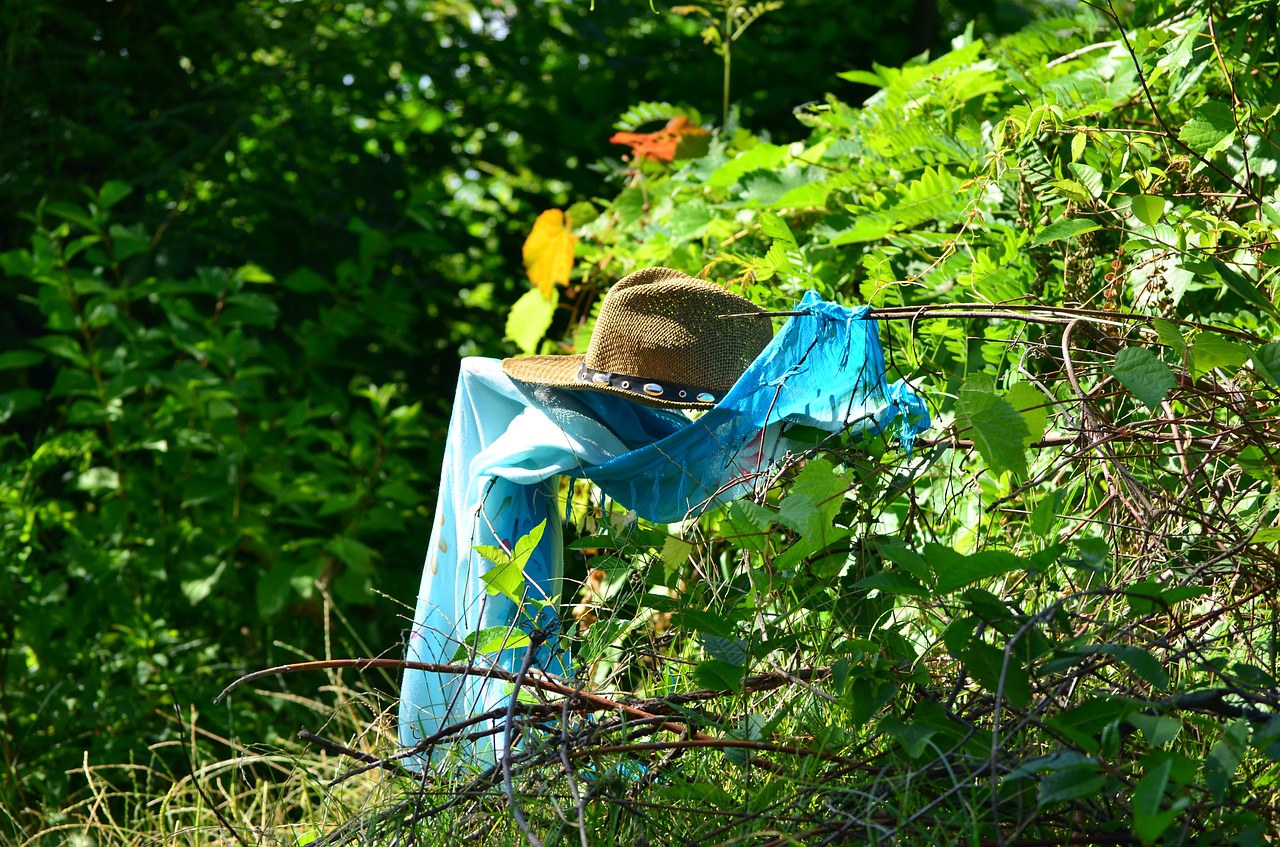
x,y
187,484
1040,625
1053,615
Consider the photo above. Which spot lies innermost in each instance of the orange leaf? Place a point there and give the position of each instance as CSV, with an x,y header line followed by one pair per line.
x,y
659,146
548,251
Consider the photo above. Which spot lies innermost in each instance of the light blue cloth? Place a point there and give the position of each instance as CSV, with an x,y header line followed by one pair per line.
x,y
509,442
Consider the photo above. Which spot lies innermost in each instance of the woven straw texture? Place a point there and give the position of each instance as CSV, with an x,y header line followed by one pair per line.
x,y
663,326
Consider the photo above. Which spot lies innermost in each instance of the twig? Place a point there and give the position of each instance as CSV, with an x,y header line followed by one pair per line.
x,y
535,641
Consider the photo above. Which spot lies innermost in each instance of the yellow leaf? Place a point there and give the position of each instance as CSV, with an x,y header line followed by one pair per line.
x,y
548,252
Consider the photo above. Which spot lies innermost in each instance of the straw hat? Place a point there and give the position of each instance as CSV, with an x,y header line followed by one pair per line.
x,y
659,340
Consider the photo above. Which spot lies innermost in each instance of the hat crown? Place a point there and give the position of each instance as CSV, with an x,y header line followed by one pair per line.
x,y
662,325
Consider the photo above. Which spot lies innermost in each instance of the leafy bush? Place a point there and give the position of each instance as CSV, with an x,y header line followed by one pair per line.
x,y
188,487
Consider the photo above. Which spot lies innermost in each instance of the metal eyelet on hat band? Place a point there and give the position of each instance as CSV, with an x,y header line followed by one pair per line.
x,y
641,385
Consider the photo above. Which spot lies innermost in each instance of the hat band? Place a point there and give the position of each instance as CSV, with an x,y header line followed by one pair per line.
x,y
673,391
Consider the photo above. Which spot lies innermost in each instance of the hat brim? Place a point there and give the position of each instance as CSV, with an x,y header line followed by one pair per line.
x,y
562,372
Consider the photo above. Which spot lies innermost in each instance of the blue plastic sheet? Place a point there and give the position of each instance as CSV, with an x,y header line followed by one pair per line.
x,y
508,444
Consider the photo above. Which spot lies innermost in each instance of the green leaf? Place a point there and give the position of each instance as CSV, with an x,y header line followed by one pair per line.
x,y
986,663
775,227
1222,761
1094,553
1241,285
1142,372
1147,208
15,359
675,553
999,432
914,737
1214,350
955,571
1078,142
112,192
890,582
718,675
1159,730
1266,361
904,557
814,499
725,649
1071,783
1086,723
1170,335
75,214
353,554
1210,129
506,577
196,590
98,479
1033,405
493,639
305,281
1072,190
1150,819
64,347
530,318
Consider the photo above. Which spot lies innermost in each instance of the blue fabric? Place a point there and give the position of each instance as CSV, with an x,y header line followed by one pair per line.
x,y
509,442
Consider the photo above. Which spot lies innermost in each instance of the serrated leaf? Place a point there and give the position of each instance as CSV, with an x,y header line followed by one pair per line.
x,y
1033,405
548,252
1069,228
1266,361
1212,350
675,553
530,318
1147,208
1142,372
1210,129
775,227
999,431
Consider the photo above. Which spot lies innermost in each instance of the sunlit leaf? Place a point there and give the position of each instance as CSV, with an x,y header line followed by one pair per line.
x,y
1142,372
530,318
1210,129
548,252
661,145
1065,229
1147,208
